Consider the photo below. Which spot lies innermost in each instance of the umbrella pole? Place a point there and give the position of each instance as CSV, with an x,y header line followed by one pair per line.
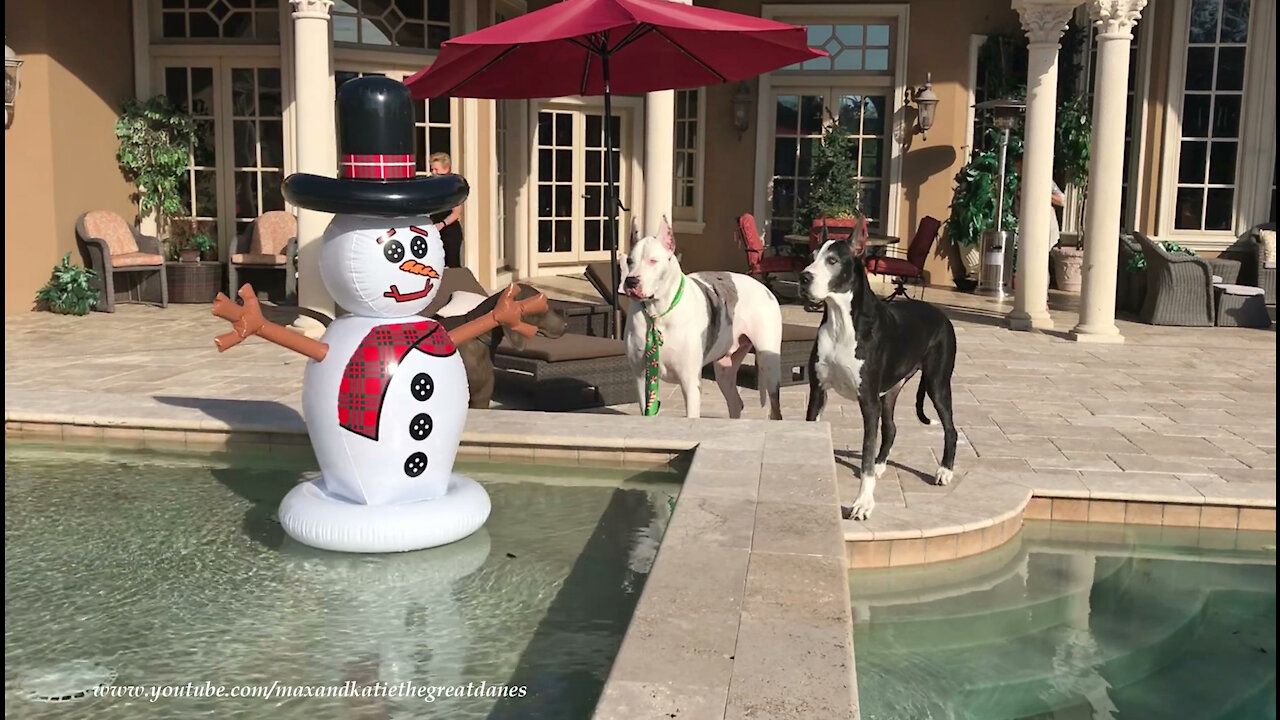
x,y
610,201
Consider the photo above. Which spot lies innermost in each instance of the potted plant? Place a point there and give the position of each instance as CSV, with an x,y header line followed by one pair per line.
x,y
187,242
156,142
70,290
1071,159
973,202
835,195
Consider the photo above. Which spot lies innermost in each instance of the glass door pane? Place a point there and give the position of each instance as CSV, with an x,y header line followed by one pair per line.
x,y
557,178
797,128
595,242
194,90
864,117
257,144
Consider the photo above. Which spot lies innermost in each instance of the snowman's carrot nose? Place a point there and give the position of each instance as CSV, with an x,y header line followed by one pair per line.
x,y
417,268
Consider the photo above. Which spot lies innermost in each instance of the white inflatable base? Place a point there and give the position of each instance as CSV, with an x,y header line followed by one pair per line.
x,y
313,517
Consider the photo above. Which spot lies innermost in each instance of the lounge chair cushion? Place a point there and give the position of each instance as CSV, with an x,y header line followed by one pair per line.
x,y
565,348
136,259
1239,289
272,232
112,228
461,303
1268,240
799,333
452,280
258,259
891,266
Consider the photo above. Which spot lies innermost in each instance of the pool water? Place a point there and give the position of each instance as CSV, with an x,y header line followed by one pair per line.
x,y
1074,620
172,569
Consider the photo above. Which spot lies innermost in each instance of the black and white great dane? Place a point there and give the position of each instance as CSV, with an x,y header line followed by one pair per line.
x,y
868,349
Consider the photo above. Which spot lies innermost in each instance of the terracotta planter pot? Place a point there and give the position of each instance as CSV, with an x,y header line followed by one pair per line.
x,y
1068,267
189,256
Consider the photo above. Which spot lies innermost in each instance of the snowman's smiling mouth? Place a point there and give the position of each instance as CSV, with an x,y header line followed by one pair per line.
x,y
395,294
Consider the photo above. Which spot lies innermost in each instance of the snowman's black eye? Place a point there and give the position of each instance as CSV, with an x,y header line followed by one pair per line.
x,y
419,246
394,251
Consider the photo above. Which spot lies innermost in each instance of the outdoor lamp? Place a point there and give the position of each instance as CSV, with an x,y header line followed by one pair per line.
x,y
926,102
12,66
742,107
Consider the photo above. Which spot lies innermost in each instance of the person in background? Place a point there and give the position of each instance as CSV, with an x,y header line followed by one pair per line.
x,y
448,221
1056,198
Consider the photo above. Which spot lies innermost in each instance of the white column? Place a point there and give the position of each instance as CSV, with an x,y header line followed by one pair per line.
x,y
1115,20
659,156
316,148
1044,23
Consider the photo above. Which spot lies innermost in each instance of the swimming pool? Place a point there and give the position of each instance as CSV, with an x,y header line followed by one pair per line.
x,y
165,569
1074,620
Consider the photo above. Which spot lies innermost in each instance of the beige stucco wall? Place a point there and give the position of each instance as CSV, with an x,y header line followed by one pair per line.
x,y
60,152
937,42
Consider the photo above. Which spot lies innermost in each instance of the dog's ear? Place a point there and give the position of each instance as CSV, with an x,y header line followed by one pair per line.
x,y
665,235
860,235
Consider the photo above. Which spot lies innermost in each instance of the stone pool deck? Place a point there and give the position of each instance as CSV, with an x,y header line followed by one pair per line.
x,y
1175,427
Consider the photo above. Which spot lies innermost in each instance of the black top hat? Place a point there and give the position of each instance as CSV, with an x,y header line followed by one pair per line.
x,y
376,167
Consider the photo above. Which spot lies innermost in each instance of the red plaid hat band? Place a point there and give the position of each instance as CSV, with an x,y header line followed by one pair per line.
x,y
377,167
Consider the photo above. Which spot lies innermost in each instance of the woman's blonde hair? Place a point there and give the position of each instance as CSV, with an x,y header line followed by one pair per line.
x,y
441,157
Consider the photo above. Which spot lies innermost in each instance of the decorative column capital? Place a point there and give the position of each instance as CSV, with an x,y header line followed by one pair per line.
x,y
1115,18
1043,21
311,8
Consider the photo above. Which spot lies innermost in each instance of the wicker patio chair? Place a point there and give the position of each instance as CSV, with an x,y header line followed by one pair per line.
x,y
110,246
1179,287
267,245
1256,268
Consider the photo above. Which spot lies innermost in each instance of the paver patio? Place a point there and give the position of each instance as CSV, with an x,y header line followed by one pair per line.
x,y
1195,407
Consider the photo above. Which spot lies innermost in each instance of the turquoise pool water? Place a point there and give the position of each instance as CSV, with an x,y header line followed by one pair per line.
x,y
162,570
1074,620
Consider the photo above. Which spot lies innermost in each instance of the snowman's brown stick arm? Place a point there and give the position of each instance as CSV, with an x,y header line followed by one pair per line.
x,y
509,312
247,320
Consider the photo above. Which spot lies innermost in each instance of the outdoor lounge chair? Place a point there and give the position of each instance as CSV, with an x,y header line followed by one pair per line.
x,y
1257,260
267,245
759,264
571,372
111,247
1179,287
797,345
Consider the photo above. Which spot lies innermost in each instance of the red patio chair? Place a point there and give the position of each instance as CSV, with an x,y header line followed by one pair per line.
x,y
913,267
760,265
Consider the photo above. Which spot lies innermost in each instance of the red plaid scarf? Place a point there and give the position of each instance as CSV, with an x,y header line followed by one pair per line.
x,y
365,379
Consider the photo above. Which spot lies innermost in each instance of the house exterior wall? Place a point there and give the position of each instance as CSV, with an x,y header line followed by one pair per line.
x,y
60,151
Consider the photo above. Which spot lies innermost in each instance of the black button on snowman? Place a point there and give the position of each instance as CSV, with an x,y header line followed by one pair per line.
x,y
385,396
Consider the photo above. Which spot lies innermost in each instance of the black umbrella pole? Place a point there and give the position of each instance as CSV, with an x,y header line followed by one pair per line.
x,y
610,201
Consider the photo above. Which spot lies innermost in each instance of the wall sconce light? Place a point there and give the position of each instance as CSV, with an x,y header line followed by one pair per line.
x,y
12,66
742,108
926,103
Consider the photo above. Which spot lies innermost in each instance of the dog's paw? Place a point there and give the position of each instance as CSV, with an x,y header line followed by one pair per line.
x,y
943,476
880,468
860,510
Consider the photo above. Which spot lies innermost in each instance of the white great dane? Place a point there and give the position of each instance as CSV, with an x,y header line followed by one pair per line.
x,y
701,318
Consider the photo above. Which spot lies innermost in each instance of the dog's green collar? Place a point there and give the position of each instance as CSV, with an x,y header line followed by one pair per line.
x,y
652,343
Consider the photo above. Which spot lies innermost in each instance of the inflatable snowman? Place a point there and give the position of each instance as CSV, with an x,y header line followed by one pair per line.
x,y
385,394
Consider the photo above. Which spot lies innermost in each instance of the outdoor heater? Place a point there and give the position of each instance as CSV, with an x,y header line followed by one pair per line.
x,y
996,271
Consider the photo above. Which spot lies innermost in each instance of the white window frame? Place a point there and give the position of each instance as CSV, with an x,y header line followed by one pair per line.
x,y
1256,154
690,219
895,85
456,20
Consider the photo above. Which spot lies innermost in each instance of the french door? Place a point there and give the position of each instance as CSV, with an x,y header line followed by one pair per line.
x,y
800,116
235,170
569,165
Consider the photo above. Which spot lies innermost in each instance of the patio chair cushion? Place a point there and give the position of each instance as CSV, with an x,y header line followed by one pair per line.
x,y
461,303
115,231
565,348
799,333
452,280
1239,289
1268,240
136,259
258,259
272,232
891,266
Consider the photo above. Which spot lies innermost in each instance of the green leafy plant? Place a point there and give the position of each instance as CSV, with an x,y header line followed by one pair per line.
x,y
186,235
156,140
1138,261
973,204
69,290
834,190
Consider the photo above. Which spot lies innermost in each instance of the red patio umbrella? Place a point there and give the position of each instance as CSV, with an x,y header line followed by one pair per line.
x,y
599,47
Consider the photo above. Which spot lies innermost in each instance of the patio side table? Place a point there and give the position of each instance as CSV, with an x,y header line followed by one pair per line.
x,y
194,282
